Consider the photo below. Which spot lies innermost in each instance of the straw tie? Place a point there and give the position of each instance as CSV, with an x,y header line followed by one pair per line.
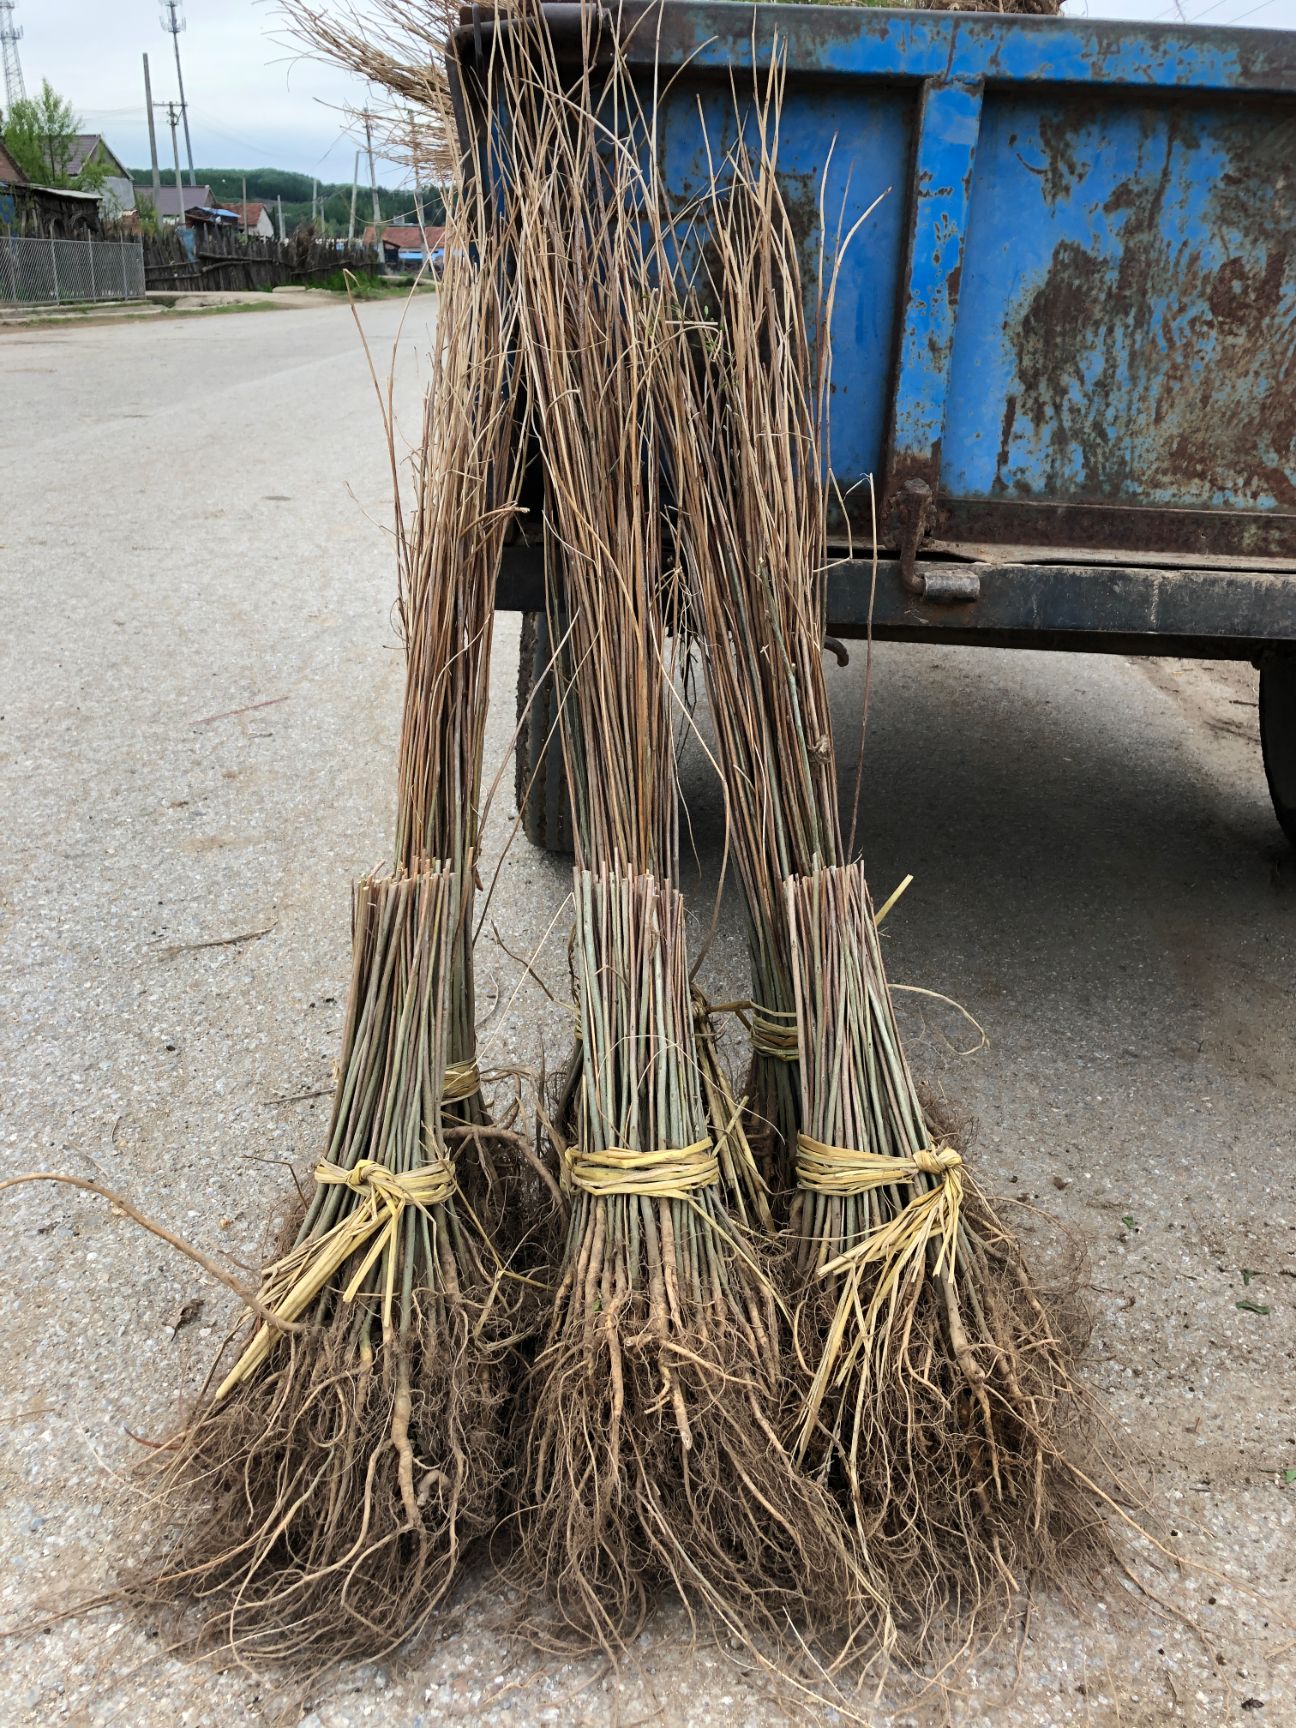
x,y
462,1079
293,1282
932,1215
671,1173
774,1033
774,1030
427,1185
937,1160
896,1246
725,1113
845,1170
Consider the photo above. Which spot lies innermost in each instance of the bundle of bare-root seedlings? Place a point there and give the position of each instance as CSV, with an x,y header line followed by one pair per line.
x,y
466,486
323,1493
449,552
651,1445
939,1403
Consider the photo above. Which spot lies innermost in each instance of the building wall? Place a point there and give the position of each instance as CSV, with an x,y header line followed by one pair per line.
x,y
118,197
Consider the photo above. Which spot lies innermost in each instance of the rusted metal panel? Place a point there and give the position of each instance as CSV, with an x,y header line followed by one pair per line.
x,y
845,158
1220,614
871,42
1071,312
1127,329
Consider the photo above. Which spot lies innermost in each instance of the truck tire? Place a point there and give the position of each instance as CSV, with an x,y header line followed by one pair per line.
x,y
540,780
1278,734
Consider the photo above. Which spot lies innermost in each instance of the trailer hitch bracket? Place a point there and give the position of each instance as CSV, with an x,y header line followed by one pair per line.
x,y
915,512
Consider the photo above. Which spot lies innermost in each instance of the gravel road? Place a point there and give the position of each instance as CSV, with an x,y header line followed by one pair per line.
x,y
199,690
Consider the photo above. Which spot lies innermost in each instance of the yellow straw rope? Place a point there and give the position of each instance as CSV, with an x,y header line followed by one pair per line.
x,y
292,1283
844,1170
670,1174
725,1113
858,1338
774,1030
933,1213
462,1079
774,1033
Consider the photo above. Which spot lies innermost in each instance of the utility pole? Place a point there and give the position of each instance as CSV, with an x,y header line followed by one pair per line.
x,y
173,23
173,120
418,196
157,178
279,207
15,89
355,181
245,216
373,184
315,205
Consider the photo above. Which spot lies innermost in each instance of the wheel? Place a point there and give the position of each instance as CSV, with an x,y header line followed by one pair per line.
x,y
1278,734
540,781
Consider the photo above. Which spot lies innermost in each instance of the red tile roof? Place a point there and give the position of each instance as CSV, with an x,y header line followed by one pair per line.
x,y
407,238
249,213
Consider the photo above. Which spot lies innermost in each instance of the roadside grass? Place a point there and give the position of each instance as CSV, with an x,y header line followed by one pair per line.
x,y
368,287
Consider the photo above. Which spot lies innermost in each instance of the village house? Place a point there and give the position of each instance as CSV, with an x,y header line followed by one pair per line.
x,y
117,191
409,247
169,207
253,218
51,212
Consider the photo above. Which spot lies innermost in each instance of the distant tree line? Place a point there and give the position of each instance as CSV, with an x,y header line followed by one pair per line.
x,y
265,185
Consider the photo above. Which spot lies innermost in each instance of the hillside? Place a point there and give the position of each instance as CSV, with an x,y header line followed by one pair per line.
x,y
267,184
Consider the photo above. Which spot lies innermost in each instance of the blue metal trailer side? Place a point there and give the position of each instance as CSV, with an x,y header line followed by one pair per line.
x,y
1064,341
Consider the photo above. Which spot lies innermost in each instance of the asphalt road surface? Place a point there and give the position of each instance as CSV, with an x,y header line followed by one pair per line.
x,y
199,693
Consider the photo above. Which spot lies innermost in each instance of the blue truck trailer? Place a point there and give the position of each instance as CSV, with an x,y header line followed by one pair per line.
x,y
1064,340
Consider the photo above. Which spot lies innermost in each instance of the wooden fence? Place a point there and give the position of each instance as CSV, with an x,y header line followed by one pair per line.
x,y
224,258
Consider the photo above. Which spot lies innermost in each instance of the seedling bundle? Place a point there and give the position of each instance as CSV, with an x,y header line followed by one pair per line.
x,y
774,1350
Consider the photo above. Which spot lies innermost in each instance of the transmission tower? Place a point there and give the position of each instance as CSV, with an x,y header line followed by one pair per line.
x,y
173,23
15,90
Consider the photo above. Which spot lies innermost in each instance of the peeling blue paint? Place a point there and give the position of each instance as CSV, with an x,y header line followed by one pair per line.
x,y
1078,292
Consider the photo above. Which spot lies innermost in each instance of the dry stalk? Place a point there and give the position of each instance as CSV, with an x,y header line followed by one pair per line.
x,y
941,1401
938,1393
450,546
321,1498
651,1448
398,48
324,1493
651,1452
466,475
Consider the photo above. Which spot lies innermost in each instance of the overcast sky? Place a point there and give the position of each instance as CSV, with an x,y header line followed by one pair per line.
x,y
254,102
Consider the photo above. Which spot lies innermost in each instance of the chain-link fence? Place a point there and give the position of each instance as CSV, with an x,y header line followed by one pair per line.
x,y
38,272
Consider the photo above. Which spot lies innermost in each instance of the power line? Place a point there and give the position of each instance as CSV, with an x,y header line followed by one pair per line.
x,y
269,151
1252,12
1214,7
234,137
